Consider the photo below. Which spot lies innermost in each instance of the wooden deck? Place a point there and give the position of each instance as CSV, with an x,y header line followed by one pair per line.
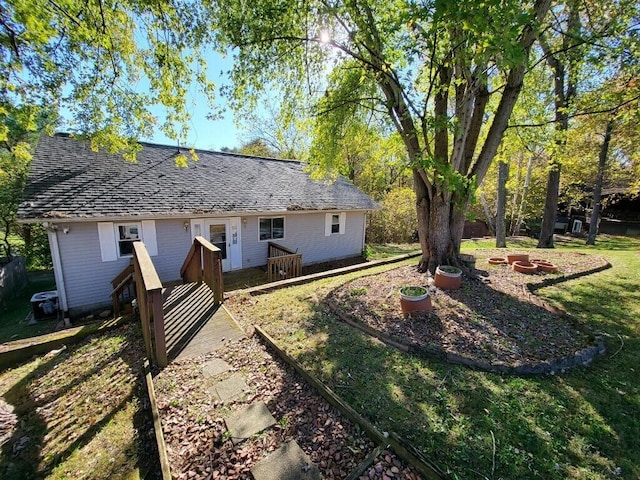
x,y
194,323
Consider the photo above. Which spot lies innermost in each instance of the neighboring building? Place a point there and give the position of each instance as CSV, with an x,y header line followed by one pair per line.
x,y
95,205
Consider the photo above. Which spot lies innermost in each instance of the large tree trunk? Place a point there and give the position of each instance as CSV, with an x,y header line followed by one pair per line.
x,y
597,191
503,173
550,208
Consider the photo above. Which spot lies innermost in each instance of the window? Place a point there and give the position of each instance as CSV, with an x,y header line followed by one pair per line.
x,y
116,240
271,228
335,223
125,236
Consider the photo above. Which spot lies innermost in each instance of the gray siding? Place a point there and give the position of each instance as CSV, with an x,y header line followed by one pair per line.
x,y
173,244
305,233
88,279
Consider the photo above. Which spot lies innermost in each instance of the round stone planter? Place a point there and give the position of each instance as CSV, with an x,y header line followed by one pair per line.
x,y
524,267
448,278
546,267
497,261
414,299
517,257
469,261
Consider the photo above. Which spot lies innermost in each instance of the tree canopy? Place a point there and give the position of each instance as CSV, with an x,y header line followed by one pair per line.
x,y
103,65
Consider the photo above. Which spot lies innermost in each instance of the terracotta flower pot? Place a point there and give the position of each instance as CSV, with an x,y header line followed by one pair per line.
x,y
547,267
524,267
448,278
497,261
517,257
414,299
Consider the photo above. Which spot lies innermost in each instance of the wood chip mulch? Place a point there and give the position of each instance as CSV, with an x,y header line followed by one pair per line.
x,y
491,318
200,448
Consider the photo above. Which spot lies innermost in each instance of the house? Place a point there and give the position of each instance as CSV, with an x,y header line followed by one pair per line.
x,y
95,205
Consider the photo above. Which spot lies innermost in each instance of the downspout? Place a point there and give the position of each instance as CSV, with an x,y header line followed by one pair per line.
x,y
364,230
57,270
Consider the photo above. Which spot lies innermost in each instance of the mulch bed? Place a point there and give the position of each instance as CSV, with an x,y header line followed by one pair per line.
x,y
198,445
492,318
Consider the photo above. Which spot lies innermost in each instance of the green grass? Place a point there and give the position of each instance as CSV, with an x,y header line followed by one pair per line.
x,y
12,317
82,412
581,425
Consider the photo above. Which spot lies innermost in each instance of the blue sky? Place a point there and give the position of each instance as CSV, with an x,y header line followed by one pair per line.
x,y
204,133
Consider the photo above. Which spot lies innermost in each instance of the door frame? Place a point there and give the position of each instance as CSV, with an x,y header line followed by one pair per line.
x,y
200,226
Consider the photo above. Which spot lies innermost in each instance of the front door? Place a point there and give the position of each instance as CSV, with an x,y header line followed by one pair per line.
x,y
217,232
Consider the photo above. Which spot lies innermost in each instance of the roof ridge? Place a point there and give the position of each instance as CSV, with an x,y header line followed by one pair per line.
x,y
201,150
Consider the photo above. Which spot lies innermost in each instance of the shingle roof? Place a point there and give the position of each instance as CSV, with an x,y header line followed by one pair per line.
x,y
69,180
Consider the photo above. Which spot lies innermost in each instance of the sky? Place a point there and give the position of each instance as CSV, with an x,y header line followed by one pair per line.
x,y
204,133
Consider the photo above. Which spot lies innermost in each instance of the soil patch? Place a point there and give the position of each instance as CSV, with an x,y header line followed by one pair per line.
x,y
199,446
492,318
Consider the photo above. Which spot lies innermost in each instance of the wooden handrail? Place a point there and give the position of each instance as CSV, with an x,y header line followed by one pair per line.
x,y
122,281
276,250
204,263
149,294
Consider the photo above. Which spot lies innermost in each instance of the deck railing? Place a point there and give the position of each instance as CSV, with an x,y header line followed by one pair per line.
x,y
204,263
149,295
123,290
282,263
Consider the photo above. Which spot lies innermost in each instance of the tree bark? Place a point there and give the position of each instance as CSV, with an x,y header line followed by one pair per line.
x,y
597,191
550,208
488,213
503,173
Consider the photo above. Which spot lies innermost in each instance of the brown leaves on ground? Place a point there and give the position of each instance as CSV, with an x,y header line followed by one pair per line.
x,y
199,445
492,317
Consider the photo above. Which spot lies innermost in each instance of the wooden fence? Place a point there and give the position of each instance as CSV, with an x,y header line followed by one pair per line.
x,y
282,263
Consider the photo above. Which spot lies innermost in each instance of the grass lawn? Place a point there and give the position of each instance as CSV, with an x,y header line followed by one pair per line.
x,y
82,413
12,319
581,425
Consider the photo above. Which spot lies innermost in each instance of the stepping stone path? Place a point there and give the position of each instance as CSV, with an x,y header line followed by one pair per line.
x,y
230,389
289,462
249,421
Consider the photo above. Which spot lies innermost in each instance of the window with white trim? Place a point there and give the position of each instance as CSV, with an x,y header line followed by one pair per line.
x,y
126,234
116,239
271,228
335,223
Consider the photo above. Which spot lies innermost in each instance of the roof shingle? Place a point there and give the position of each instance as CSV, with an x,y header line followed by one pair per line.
x,y
69,180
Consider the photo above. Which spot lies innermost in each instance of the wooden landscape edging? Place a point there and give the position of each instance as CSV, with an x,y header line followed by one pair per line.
x,y
12,353
407,452
157,424
268,287
580,358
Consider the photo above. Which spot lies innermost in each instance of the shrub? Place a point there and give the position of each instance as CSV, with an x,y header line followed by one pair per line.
x,y
396,221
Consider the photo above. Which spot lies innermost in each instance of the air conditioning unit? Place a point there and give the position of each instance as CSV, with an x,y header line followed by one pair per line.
x,y
44,305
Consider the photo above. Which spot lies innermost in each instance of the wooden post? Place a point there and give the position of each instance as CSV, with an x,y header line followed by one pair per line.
x,y
218,292
141,295
158,327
